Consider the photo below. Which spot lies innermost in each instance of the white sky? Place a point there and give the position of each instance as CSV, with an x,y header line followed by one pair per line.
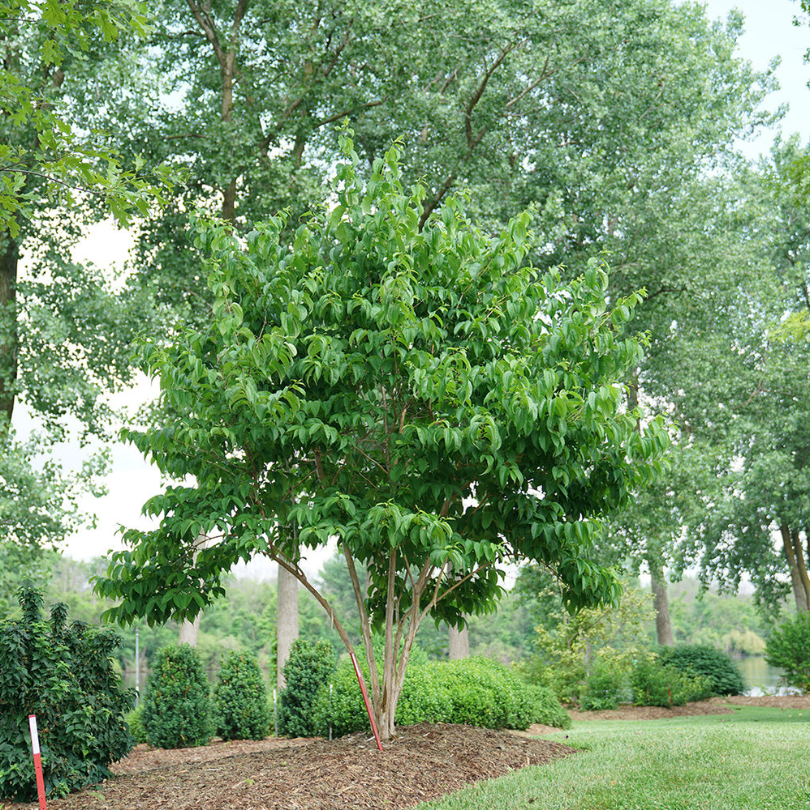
x,y
769,33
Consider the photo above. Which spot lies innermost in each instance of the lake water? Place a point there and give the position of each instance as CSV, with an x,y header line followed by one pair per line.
x,y
761,678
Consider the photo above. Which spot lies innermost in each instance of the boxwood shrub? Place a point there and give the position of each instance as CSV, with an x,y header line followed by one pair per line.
x,y
177,708
713,664
240,698
473,691
306,671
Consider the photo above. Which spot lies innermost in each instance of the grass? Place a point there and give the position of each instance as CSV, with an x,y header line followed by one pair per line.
x,y
755,759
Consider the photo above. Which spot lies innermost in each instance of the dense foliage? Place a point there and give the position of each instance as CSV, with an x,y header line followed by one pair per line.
x,y
656,684
177,709
361,382
240,698
694,659
570,652
307,669
476,691
789,648
64,675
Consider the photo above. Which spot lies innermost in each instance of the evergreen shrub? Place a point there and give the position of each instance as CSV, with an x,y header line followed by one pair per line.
x,y
713,664
474,691
177,708
546,707
307,669
240,698
64,675
788,647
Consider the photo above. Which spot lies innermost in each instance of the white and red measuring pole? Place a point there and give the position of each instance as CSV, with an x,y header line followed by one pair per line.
x,y
32,722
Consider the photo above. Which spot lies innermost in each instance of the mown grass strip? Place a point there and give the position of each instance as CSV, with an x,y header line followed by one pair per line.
x,y
754,759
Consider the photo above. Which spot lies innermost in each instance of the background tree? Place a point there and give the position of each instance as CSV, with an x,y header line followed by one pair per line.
x,y
63,333
401,370
612,119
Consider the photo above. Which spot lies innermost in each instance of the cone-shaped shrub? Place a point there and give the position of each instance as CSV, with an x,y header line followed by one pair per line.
x,y
240,698
177,709
307,669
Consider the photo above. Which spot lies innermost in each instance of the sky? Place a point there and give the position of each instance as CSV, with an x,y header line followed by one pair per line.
x,y
769,32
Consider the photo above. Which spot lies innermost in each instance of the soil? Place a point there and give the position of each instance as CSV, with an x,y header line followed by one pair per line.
x,y
423,762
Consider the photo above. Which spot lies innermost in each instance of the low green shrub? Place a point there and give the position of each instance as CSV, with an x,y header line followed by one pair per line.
x,y
475,691
341,708
655,684
306,671
240,698
715,665
177,709
604,689
546,707
424,696
64,675
788,647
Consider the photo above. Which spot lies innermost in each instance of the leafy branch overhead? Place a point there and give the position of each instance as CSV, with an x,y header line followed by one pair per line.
x,y
422,395
44,44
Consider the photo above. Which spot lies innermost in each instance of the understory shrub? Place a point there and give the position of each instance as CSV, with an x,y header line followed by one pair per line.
x,y
713,664
604,688
306,671
475,691
571,650
546,707
788,647
240,698
177,709
64,675
656,684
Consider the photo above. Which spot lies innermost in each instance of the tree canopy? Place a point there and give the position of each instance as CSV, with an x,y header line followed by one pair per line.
x,y
423,395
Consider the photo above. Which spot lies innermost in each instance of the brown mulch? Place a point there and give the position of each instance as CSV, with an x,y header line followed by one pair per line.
x,y
423,762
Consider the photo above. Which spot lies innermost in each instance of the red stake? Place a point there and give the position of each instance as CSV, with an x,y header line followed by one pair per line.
x,y
32,724
365,698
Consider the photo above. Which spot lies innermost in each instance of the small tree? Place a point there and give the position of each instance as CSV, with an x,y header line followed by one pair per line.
x,y
423,395
788,647
64,675
177,709
240,698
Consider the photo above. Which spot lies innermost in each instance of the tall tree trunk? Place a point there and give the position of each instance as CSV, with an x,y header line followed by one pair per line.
x,y
663,625
189,631
794,553
9,259
225,48
286,621
459,643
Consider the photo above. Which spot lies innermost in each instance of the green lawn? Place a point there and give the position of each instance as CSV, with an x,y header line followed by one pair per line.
x,y
754,759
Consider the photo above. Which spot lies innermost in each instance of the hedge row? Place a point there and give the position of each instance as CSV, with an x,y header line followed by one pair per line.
x,y
473,691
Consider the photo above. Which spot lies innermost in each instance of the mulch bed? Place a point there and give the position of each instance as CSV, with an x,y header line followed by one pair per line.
x,y
423,762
